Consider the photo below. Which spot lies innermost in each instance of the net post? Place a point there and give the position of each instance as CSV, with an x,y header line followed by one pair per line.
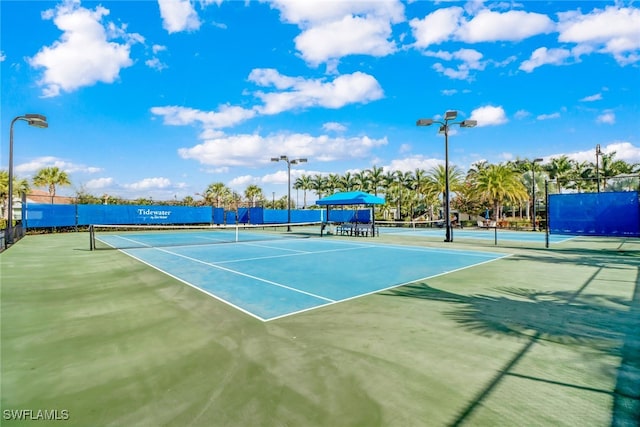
x,y
92,244
546,214
237,232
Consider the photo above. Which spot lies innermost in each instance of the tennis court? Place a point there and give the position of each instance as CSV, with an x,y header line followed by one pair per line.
x,y
270,279
538,337
479,234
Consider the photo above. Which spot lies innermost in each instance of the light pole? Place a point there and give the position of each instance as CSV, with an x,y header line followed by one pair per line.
x,y
533,190
36,120
598,154
449,116
289,163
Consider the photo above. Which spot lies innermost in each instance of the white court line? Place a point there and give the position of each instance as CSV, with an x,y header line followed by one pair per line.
x,y
246,275
291,255
385,289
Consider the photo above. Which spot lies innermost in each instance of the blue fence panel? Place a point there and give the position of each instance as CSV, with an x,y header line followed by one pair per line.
x,y
243,215
305,215
256,215
48,215
230,217
595,214
218,216
132,214
274,216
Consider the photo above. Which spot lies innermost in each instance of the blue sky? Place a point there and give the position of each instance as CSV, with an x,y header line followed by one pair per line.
x,y
161,98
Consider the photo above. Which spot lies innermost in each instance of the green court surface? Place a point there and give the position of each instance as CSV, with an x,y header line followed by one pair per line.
x,y
545,337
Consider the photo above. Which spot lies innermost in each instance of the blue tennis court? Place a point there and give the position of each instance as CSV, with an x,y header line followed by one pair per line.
x,y
480,234
272,279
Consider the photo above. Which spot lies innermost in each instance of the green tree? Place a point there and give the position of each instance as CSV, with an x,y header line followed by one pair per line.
x,y
375,178
499,184
218,193
436,178
559,169
318,184
253,193
303,182
51,177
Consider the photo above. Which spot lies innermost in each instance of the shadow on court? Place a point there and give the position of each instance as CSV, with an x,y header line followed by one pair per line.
x,y
603,323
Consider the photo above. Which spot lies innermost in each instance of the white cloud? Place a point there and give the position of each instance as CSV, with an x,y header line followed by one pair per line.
x,y
308,13
352,35
471,60
624,151
489,116
156,64
98,183
178,15
548,116
158,48
486,26
226,116
591,98
85,53
410,164
333,29
253,150
542,56
3,57
300,93
149,184
614,30
436,27
50,161
607,117
334,127
514,25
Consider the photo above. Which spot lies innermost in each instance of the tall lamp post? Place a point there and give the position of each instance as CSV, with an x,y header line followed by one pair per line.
x,y
598,154
289,163
36,120
533,189
449,116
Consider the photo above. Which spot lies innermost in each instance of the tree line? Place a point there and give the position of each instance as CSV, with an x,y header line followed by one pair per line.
x,y
498,188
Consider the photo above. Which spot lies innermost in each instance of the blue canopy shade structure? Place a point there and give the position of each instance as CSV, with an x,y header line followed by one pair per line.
x,y
351,198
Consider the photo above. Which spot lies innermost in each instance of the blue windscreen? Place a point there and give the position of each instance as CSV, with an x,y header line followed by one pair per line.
x,y
596,214
48,215
131,214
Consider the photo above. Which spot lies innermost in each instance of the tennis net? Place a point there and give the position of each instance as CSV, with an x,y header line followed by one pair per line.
x,y
399,226
109,236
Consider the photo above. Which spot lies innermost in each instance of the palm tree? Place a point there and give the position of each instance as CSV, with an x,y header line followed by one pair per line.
x,y
436,177
253,193
375,177
332,183
498,184
559,169
318,184
582,176
361,180
347,181
217,192
50,177
303,182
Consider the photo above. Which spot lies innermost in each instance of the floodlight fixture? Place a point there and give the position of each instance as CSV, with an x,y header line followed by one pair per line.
x,y
444,129
424,122
289,163
35,120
